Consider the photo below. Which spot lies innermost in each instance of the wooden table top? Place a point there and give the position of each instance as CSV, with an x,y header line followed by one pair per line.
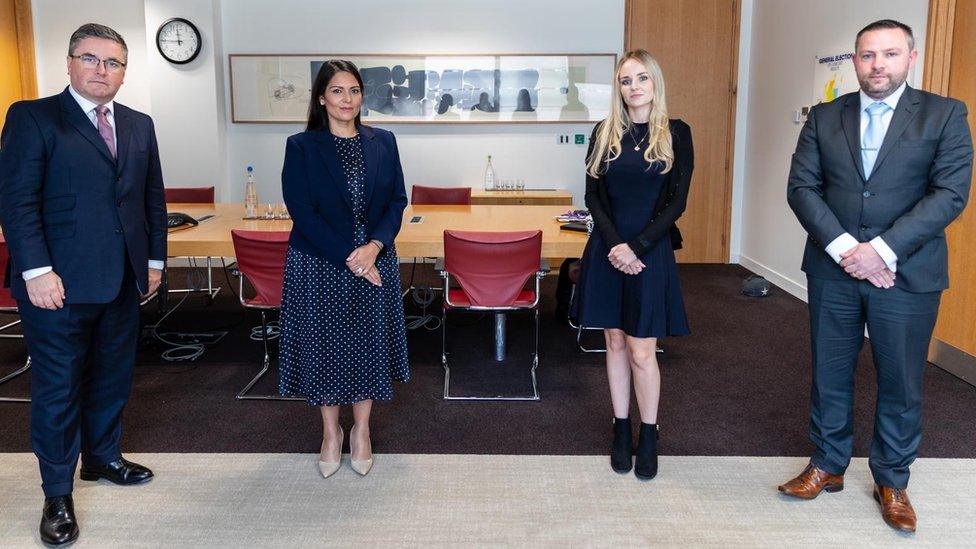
x,y
212,236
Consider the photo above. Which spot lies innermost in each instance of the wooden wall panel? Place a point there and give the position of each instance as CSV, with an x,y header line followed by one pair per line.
x,y
18,79
957,315
696,43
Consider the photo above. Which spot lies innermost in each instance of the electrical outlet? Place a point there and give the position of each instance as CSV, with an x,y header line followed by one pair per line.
x,y
580,139
564,140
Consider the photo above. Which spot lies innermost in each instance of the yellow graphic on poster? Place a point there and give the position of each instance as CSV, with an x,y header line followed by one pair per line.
x,y
833,76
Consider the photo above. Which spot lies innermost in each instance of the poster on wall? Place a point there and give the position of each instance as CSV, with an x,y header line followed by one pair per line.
x,y
833,76
432,88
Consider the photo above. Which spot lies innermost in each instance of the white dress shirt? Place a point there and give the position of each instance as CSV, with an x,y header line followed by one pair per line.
x,y
89,109
846,241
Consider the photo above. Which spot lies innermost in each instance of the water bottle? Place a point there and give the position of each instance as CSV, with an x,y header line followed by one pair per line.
x,y
489,176
250,195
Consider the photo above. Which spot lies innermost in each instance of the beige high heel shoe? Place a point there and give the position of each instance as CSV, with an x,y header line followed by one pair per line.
x,y
328,468
361,466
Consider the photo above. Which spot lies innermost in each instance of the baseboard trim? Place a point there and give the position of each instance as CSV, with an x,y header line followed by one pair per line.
x,y
955,361
783,282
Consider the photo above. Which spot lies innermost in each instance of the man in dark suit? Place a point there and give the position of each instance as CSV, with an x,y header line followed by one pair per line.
x,y
876,177
82,208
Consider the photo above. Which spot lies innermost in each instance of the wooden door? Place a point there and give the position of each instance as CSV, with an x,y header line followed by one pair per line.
x,y
17,74
950,69
696,44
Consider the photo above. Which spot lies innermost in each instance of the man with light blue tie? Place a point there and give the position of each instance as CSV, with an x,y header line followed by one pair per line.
x,y
876,178
84,214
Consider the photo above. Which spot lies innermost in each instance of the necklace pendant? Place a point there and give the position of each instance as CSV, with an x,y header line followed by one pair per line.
x,y
637,148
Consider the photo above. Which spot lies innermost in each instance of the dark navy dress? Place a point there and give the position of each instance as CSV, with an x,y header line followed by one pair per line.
x,y
648,304
343,339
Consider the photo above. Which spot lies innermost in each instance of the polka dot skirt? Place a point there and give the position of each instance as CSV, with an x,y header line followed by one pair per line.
x,y
343,340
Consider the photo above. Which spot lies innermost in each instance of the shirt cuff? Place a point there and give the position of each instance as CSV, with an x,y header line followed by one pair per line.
x,y
34,273
156,264
885,252
840,245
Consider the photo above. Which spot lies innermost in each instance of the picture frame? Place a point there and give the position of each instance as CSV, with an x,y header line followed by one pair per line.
x,y
418,88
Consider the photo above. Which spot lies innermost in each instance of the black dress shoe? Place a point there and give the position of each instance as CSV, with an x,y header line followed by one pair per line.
x,y
622,450
58,524
120,471
645,462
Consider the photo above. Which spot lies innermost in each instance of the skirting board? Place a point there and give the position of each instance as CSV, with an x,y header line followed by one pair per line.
x,y
955,361
792,287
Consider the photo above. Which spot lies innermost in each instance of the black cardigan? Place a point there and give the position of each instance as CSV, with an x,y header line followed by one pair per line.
x,y
669,206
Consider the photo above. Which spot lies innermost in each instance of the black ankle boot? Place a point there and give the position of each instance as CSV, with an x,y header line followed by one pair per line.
x,y
622,449
645,464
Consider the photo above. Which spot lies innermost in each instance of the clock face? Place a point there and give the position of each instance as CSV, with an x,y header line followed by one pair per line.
x,y
178,41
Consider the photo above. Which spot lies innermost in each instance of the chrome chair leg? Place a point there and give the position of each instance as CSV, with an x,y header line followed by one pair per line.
x,y
243,395
22,370
447,369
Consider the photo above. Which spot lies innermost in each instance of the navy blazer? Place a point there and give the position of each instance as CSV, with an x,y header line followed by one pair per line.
x,y
919,184
316,193
65,202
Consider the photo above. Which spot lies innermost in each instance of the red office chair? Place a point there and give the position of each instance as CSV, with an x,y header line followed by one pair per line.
x,y
9,305
492,269
261,259
190,195
196,195
421,195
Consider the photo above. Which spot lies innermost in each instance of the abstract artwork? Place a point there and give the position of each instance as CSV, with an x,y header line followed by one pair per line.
x,y
432,88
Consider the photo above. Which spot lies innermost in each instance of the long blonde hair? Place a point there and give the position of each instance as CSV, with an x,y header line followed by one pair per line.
x,y
606,148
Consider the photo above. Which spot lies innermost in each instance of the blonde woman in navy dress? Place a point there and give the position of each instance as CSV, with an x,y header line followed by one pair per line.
x,y
637,176
343,340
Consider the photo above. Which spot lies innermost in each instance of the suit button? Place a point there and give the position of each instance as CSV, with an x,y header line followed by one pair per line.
x,y
866,194
118,231
120,203
864,227
119,178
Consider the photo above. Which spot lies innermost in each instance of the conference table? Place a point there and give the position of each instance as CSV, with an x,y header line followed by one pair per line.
x,y
421,234
422,239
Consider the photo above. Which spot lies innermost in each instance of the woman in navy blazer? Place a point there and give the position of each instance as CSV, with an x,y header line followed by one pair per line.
x,y
343,339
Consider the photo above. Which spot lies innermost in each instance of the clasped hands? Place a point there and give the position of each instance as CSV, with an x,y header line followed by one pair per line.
x,y
46,291
864,263
625,260
362,263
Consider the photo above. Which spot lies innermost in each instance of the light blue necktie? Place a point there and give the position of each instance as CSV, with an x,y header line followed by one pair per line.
x,y
873,136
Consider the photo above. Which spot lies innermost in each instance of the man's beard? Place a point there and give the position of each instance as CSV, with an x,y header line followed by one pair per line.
x,y
881,91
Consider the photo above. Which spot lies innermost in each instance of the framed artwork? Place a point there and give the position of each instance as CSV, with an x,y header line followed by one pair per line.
x,y
432,88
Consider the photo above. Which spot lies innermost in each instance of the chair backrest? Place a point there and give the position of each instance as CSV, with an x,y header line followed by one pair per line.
x,y
190,195
440,195
6,300
261,258
492,267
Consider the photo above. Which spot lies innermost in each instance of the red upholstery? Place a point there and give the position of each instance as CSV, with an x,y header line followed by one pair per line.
x,y
440,195
493,267
457,296
6,301
190,195
261,258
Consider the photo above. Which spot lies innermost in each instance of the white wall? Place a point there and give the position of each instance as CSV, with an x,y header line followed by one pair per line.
x,y
441,155
786,35
55,20
188,100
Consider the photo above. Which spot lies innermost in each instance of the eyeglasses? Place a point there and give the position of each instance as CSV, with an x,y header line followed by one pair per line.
x,y
92,62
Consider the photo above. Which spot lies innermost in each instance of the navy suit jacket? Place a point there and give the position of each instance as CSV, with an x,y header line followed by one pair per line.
x,y
65,202
316,193
919,184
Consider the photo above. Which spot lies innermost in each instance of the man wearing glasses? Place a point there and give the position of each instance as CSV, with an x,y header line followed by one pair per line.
x,y
83,213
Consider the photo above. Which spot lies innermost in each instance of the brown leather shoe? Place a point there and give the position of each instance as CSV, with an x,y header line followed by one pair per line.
x,y
811,482
895,508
